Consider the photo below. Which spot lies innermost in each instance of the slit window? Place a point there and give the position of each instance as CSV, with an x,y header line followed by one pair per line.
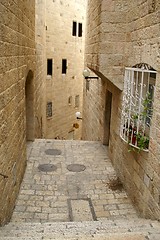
x,y
74,29
64,66
79,29
77,101
137,106
70,100
49,67
49,110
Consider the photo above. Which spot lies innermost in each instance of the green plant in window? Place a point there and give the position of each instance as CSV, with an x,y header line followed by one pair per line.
x,y
147,105
140,121
135,118
142,141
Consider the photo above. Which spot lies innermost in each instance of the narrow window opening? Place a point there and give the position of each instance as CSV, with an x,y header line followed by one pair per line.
x,y
80,30
74,29
70,100
64,66
49,67
49,110
77,101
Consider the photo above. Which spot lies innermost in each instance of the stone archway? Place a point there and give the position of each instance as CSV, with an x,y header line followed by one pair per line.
x,y
29,106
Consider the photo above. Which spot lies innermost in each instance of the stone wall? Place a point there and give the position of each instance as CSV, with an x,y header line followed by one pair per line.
x,y
139,172
17,88
62,89
40,73
106,39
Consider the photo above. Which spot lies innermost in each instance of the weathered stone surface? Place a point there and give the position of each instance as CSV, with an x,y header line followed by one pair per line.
x,y
17,57
21,95
70,196
62,89
121,34
119,229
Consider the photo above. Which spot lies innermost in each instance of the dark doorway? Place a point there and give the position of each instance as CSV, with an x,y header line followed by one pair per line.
x,y
107,117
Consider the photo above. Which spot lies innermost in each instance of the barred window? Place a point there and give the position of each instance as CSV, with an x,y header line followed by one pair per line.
x,y
137,107
49,109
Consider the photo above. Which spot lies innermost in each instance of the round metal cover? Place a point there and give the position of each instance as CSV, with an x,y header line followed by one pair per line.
x,y
76,167
53,151
47,167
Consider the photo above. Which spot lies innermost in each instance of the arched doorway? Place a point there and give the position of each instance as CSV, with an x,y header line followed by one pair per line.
x,y
29,106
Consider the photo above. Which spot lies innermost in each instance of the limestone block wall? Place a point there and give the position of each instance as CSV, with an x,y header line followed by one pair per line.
x,y
63,89
93,40
142,33
17,68
95,125
106,37
40,73
139,172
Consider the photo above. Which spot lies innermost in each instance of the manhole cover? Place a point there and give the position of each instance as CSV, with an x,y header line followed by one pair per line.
x,y
76,167
53,151
47,167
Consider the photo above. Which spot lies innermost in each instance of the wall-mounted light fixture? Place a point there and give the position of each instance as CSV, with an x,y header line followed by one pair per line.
x,y
86,74
78,115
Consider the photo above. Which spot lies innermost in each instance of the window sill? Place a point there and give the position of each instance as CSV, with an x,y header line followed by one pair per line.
x,y
139,149
49,77
132,145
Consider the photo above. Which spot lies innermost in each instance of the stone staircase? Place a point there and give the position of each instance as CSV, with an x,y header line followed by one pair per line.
x,y
113,229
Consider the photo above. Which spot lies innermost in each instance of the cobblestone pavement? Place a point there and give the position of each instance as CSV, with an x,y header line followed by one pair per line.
x,y
64,195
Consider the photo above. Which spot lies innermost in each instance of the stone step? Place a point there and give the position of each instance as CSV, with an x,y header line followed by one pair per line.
x,y
128,236
120,229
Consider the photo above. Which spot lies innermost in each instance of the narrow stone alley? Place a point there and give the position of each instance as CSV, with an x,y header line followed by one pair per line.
x,y
69,181
66,194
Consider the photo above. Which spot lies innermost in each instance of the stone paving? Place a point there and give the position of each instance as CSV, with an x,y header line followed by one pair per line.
x,y
62,195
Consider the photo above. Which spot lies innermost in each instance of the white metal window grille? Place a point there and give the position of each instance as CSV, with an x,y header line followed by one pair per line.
x,y
49,109
137,107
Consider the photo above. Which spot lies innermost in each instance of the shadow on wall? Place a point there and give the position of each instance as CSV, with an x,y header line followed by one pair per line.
x,y
29,106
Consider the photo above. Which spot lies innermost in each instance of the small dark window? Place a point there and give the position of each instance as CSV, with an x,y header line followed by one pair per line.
x,y
49,67
64,66
80,30
74,29
87,86
49,109
70,100
77,101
